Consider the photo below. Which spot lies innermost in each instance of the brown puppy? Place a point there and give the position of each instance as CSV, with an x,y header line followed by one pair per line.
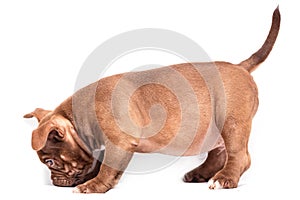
x,y
183,110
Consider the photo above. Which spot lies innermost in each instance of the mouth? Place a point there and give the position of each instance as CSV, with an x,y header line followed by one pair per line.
x,y
62,179
66,182
59,179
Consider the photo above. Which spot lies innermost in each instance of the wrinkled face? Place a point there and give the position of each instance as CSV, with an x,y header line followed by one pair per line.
x,y
59,147
69,164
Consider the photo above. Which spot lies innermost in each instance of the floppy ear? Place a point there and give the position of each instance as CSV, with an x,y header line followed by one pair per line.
x,y
40,135
56,124
39,113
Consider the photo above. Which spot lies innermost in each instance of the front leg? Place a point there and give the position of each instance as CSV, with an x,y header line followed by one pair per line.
x,y
115,162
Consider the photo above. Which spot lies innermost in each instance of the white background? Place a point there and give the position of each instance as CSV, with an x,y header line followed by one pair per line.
x,y
44,43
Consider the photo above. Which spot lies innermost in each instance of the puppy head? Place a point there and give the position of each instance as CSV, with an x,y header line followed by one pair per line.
x,y
59,147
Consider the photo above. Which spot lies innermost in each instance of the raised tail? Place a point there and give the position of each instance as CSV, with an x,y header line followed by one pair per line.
x,y
258,57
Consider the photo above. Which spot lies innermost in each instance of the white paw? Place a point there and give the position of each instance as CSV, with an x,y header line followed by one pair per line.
x,y
76,190
214,185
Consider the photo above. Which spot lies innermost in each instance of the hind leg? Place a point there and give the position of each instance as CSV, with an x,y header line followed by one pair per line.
x,y
235,134
214,162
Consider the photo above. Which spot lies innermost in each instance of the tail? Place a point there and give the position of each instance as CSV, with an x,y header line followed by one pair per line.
x,y
258,57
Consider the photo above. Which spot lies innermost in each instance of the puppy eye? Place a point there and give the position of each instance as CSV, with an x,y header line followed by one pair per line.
x,y
49,162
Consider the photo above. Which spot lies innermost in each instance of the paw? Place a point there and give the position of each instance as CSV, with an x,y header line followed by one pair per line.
x,y
194,178
222,183
91,186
